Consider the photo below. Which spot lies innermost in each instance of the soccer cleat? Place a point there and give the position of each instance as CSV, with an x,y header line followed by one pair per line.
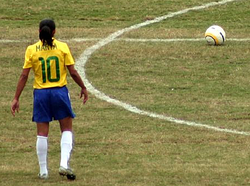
x,y
67,172
43,176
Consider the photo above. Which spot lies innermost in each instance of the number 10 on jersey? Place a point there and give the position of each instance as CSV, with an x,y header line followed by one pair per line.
x,y
46,69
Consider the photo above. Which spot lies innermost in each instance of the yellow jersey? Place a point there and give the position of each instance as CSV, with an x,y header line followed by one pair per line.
x,y
48,63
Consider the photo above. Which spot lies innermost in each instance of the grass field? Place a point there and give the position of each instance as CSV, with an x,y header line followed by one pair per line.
x,y
187,80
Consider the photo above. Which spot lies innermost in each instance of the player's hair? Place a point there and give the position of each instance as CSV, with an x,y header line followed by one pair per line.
x,y
47,28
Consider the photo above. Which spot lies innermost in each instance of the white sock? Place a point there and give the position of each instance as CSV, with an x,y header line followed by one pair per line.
x,y
66,148
42,149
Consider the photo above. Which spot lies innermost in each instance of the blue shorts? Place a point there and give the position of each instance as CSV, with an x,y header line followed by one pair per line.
x,y
51,104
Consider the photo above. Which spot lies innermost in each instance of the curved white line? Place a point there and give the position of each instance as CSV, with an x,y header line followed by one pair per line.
x,y
89,51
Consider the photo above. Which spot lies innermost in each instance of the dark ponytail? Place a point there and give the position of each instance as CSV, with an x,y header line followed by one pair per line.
x,y
47,29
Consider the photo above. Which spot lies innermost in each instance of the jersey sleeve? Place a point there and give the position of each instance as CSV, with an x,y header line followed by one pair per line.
x,y
27,61
69,60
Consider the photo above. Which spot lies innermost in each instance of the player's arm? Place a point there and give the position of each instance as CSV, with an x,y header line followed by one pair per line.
x,y
20,86
77,78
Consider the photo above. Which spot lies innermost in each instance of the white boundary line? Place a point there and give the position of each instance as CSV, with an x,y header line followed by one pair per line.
x,y
89,51
153,40
131,40
177,40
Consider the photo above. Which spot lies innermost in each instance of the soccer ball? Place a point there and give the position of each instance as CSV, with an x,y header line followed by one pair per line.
x,y
215,35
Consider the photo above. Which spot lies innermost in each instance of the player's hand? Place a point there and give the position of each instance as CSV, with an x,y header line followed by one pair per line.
x,y
14,106
84,93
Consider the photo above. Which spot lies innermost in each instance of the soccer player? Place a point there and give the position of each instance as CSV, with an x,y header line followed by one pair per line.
x,y
49,59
